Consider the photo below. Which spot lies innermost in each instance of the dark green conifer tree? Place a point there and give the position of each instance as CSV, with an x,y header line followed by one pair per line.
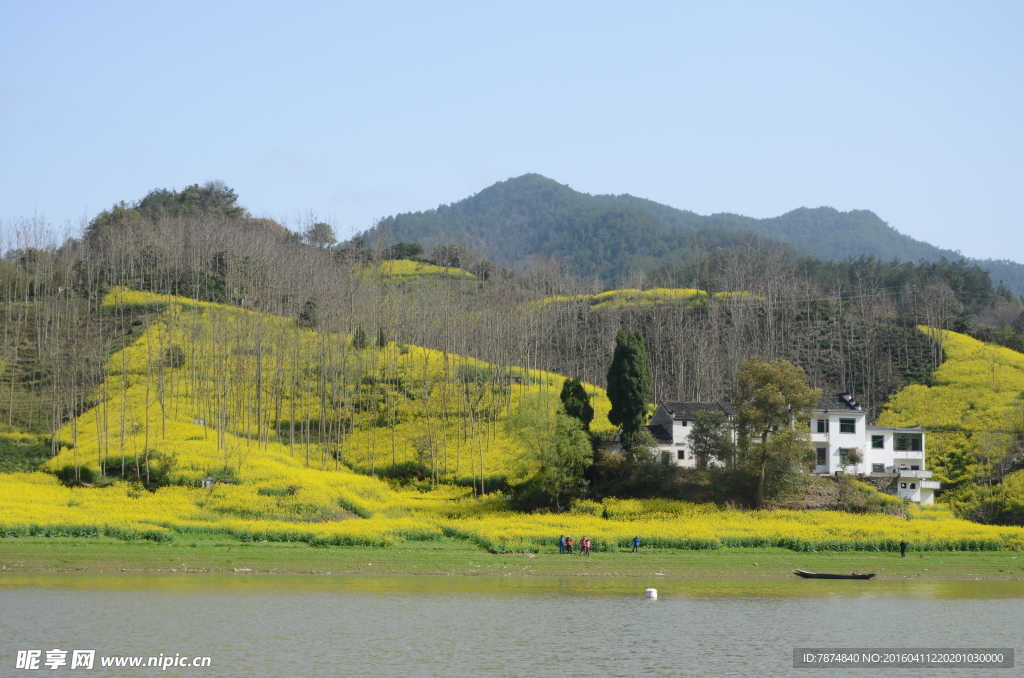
x,y
576,402
629,384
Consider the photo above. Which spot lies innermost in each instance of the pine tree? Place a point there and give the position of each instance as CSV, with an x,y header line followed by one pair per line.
x,y
629,384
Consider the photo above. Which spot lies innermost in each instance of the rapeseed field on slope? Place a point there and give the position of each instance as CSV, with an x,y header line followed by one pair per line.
x,y
406,268
264,379
975,404
280,412
212,391
632,298
37,504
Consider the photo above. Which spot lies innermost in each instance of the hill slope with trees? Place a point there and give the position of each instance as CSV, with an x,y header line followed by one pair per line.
x,y
612,235
851,325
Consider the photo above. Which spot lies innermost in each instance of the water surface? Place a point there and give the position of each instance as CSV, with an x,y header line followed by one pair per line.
x,y
307,625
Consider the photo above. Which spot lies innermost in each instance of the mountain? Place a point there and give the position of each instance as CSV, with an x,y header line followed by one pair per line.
x,y
613,234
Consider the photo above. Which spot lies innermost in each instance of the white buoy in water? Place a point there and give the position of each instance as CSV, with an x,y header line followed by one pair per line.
x,y
650,593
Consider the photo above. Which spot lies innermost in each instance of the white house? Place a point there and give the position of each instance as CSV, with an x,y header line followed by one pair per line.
x,y
839,432
671,425
839,427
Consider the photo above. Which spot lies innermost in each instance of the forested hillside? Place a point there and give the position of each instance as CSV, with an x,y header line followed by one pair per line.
x,y
515,219
248,424
851,325
245,381
611,235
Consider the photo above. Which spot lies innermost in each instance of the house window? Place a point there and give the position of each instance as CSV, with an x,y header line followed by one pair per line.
x,y
878,468
823,426
821,452
684,423
915,467
843,454
908,442
877,442
903,486
913,486
847,425
680,454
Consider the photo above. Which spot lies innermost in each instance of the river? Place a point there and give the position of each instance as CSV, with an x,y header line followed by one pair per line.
x,y
324,625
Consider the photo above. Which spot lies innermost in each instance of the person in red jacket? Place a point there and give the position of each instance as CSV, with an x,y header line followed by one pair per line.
x,y
568,544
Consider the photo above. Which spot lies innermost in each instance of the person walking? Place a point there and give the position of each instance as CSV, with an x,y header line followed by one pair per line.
x,y
586,546
561,544
636,543
568,544
903,549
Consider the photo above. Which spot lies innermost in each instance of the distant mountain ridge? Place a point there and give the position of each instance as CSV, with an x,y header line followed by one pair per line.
x,y
613,234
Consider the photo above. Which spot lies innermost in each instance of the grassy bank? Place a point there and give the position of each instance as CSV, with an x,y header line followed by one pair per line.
x,y
222,553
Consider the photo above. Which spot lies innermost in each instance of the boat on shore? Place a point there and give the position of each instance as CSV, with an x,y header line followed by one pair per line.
x,y
821,575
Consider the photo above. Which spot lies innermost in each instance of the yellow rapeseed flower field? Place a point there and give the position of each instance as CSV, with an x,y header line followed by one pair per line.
x,y
263,378
971,408
406,268
688,526
632,298
627,298
282,414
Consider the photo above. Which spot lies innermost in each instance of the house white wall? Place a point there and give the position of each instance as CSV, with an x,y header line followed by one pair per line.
x,y
915,488
877,446
680,452
896,452
684,454
828,434
679,448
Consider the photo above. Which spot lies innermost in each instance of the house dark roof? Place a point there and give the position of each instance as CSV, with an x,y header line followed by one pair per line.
x,y
901,429
841,402
661,434
688,411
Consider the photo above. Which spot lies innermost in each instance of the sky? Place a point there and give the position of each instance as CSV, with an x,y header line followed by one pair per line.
x,y
348,112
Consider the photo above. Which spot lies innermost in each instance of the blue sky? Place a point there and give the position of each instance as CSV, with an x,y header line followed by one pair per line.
x,y
353,111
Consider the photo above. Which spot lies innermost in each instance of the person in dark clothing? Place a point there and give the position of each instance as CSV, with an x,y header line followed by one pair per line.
x,y
561,544
636,543
903,549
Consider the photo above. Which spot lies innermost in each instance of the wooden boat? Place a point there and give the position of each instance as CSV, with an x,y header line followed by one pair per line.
x,y
819,575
